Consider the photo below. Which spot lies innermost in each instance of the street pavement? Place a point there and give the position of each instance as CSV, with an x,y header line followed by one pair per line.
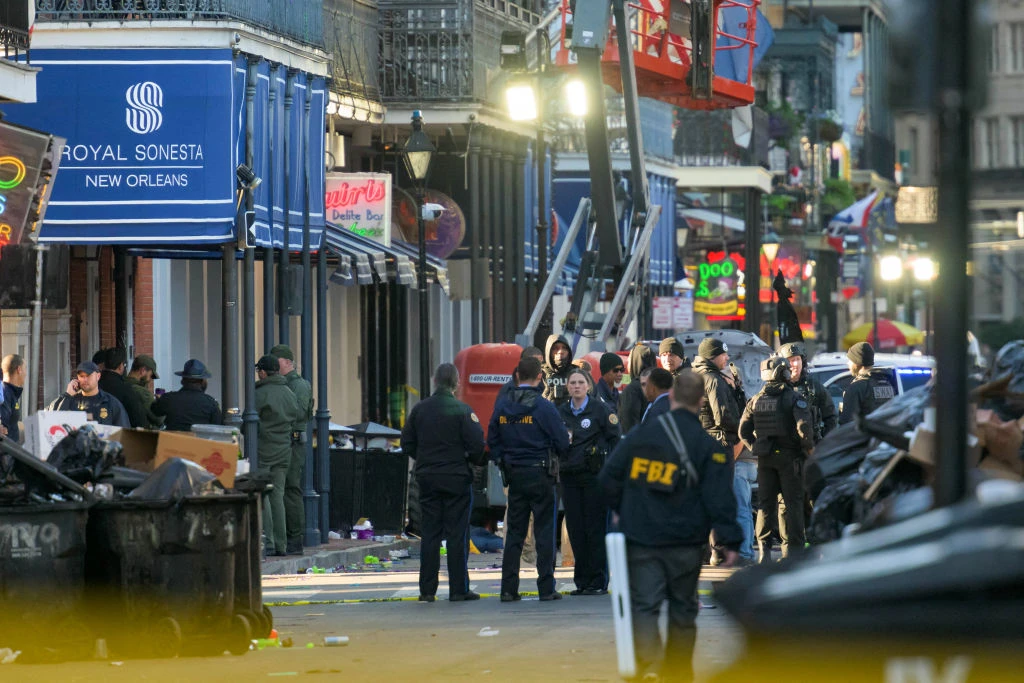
x,y
392,636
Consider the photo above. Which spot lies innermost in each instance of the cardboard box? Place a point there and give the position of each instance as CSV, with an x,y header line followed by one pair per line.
x,y
45,428
146,450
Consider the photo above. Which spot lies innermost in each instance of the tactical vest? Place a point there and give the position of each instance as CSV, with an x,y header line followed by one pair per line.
x,y
806,390
769,420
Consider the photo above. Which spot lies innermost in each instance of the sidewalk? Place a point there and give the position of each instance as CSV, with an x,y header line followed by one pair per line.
x,y
340,552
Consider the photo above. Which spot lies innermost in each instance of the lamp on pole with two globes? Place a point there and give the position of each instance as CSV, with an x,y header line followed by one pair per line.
x,y
418,154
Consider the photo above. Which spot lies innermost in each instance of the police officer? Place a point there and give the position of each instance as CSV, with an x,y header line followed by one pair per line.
x,y
142,373
633,402
720,414
557,366
294,512
672,356
657,384
606,388
777,427
113,382
443,435
594,431
870,388
84,394
278,411
190,405
668,500
526,437
823,411
15,372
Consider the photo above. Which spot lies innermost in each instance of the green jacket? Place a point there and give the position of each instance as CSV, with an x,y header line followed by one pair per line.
x,y
278,410
147,398
303,391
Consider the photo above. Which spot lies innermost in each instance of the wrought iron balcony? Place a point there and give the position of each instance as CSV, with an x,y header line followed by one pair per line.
x,y
350,32
299,20
444,50
705,138
14,29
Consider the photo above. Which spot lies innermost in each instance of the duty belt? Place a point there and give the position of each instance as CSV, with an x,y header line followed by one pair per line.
x,y
530,464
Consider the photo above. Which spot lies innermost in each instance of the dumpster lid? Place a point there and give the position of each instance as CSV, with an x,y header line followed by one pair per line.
x,y
38,476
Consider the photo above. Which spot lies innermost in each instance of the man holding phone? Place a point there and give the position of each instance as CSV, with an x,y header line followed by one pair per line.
x,y
84,394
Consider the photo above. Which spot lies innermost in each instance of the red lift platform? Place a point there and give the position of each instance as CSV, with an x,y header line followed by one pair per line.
x,y
663,53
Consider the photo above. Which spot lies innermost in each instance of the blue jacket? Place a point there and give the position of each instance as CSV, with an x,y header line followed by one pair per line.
x,y
525,427
595,433
658,406
608,395
637,479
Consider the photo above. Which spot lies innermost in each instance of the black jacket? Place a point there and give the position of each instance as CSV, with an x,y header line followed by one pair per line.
x,y
186,407
777,405
868,391
556,377
525,428
443,435
595,433
823,411
102,408
632,401
685,515
114,384
659,406
10,411
720,415
609,395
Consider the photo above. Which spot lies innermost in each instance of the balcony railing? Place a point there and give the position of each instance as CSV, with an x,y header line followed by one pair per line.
x,y
299,20
444,50
351,37
14,25
705,138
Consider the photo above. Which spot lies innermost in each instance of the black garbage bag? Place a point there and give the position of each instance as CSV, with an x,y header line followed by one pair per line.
x,y
83,456
838,505
27,479
253,482
836,457
177,478
123,480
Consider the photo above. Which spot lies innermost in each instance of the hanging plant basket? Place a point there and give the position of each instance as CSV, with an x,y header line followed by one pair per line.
x,y
829,131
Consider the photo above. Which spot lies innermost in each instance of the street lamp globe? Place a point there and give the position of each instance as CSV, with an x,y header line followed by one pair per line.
x,y
521,101
418,152
890,268
576,97
924,269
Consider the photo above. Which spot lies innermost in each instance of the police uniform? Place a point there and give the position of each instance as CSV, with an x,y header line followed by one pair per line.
x,y
294,510
595,432
868,391
114,383
278,411
667,510
556,376
10,411
102,408
777,427
524,434
823,411
443,435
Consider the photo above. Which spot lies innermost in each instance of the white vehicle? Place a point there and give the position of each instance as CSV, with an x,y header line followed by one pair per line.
x,y
906,372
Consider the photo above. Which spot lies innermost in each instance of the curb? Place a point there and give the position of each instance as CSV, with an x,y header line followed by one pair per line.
x,y
330,558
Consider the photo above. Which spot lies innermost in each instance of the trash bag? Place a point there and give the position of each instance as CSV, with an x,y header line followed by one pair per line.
x,y
83,456
27,479
836,457
177,478
124,480
838,505
1010,362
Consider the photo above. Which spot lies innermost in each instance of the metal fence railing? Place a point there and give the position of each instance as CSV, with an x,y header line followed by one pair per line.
x,y
706,138
299,20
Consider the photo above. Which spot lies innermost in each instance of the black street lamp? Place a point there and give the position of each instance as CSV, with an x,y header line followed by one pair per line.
x,y
418,154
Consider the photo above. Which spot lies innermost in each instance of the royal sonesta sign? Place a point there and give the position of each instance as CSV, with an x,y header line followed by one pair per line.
x,y
150,155
360,202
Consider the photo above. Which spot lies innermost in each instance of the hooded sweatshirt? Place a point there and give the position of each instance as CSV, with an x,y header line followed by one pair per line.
x,y
525,427
720,415
556,377
632,403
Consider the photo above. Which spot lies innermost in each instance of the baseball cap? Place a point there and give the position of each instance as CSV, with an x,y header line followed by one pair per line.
x,y
283,351
147,361
268,363
88,367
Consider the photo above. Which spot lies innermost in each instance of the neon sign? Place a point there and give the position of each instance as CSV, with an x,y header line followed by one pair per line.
x,y
6,231
361,203
719,280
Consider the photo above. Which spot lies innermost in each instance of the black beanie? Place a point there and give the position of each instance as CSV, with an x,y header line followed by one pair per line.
x,y
861,353
711,347
671,345
610,361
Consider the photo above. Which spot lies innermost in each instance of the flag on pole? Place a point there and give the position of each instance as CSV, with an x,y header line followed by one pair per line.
x,y
850,220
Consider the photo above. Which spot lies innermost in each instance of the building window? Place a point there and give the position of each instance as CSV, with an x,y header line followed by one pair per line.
x,y
993,55
987,146
1017,47
1017,141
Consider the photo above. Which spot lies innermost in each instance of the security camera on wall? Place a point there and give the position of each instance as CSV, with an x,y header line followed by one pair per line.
x,y
431,212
